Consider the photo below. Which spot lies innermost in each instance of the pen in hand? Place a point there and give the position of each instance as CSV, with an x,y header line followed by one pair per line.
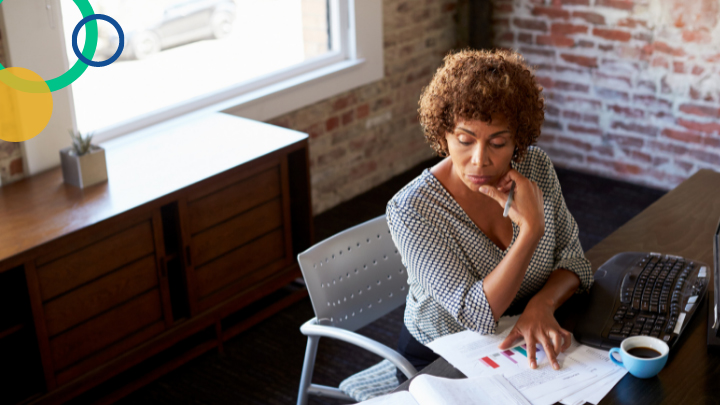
x,y
509,200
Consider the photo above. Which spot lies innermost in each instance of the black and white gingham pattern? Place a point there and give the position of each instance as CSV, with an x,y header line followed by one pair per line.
x,y
447,256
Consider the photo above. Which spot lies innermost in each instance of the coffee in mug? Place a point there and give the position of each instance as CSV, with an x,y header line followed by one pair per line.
x,y
644,352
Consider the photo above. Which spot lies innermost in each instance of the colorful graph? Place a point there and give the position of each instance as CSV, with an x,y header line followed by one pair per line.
x,y
509,354
486,360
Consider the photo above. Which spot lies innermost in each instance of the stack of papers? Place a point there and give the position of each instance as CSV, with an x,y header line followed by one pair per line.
x,y
586,374
431,390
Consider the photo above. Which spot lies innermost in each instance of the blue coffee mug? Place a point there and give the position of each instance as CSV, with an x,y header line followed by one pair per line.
x,y
638,366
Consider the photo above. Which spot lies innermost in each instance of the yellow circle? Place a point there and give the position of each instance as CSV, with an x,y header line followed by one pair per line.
x,y
23,115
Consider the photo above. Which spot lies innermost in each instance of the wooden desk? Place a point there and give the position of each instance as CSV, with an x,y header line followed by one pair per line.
x,y
201,217
681,223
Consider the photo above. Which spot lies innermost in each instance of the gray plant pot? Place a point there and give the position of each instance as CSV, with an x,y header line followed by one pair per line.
x,y
86,170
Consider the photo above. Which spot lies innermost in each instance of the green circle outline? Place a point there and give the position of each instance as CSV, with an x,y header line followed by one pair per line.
x,y
64,80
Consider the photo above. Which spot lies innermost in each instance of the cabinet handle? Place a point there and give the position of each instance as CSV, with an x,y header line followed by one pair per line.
x,y
187,253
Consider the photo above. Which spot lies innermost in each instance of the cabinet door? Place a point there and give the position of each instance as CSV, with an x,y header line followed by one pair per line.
x,y
238,231
103,293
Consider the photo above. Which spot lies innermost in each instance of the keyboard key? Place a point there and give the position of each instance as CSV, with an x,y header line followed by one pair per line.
x,y
615,336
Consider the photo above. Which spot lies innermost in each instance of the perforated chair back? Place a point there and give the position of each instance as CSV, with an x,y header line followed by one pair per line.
x,y
356,276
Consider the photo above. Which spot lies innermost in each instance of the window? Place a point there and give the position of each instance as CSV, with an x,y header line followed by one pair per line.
x,y
256,58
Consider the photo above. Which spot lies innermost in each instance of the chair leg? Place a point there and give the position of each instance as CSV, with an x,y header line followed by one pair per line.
x,y
307,371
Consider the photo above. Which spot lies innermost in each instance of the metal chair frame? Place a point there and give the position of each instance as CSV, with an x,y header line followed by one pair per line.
x,y
353,278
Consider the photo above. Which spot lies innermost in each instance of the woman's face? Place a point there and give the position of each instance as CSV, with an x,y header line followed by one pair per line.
x,y
480,152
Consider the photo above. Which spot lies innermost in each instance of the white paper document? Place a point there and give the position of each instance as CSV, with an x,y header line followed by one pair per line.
x,y
581,366
430,390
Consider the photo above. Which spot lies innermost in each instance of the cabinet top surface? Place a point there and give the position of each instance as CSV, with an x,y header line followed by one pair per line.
x,y
142,167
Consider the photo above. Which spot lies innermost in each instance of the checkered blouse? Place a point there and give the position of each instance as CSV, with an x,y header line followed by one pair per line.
x,y
448,256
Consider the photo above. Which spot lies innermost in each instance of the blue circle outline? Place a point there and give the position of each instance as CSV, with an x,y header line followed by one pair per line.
x,y
121,37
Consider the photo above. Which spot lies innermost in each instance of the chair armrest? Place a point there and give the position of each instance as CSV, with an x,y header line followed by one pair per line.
x,y
311,328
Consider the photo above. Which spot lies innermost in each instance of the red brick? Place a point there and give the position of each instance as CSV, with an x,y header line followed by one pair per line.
x,y
660,61
549,124
506,37
332,123
331,156
682,136
535,51
503,8
606,47
580,60
708,157
637,155
551,110
678,67
701,110
709,127
648,130
382,103
592,18
627,111
449,7
665,146
530,24
314,131
348,117
576,2
583,102
363,111
697,70
585,43
363,169
555,40
568,86
551,12
525,38
614,35
578,144
16,166
631,23
624,140
501,22
621,4
712,142
568,29
545,82
686,166
344,102
584,130
665,48
701,36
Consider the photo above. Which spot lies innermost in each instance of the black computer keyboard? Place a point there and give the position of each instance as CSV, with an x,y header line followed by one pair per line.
x,y
642,294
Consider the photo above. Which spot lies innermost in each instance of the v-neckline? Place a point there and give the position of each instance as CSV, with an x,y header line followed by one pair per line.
x,y
467,217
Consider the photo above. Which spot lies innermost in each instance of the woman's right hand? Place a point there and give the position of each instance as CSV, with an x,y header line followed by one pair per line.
x,y
526,209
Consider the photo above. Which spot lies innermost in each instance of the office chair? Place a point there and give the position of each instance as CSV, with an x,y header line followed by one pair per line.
x,y
353,278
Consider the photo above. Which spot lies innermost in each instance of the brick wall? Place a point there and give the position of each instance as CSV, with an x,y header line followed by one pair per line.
x,y
363,137
632,85
11,164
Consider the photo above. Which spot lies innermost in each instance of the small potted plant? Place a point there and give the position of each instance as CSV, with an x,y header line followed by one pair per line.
x,y
83,164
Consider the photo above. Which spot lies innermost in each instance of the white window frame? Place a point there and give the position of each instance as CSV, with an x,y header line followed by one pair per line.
x,y
33,38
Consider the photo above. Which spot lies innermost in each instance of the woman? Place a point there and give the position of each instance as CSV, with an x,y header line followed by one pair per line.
x,y
467,264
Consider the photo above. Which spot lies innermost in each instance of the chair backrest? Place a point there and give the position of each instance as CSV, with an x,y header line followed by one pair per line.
x,y
356,276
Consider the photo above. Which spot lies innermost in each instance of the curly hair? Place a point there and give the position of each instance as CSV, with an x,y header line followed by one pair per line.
x,y
477,84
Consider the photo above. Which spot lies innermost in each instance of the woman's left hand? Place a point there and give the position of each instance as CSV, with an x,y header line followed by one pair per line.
x,y
537,324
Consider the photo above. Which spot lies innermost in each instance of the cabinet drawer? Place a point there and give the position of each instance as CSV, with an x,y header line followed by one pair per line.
x,y
235,232
240,262
90,262
100,295
233,199
100,332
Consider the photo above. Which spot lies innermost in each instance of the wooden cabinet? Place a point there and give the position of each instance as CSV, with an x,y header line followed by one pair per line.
x,y
112,278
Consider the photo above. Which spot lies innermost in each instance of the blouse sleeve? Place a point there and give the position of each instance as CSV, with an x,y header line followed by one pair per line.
x,y
429,258
568,251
